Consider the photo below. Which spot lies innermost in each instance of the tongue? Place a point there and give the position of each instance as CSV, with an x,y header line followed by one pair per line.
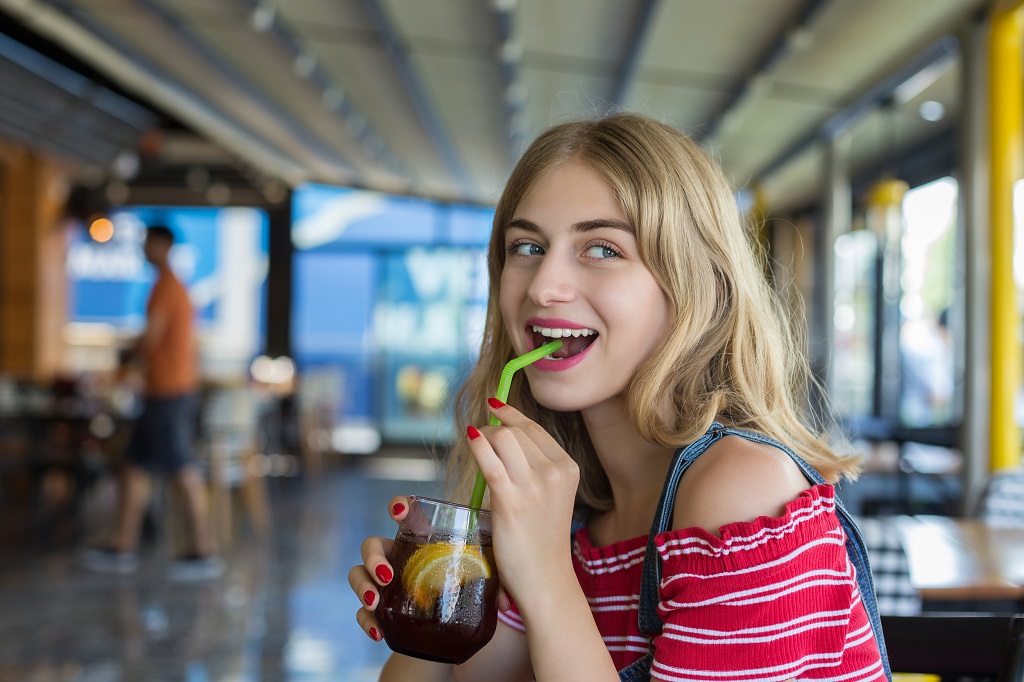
x,y
571,345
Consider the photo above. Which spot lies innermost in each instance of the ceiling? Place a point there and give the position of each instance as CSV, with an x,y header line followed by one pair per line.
x,y
438,97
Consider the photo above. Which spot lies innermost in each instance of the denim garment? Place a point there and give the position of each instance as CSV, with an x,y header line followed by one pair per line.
x,y
650,622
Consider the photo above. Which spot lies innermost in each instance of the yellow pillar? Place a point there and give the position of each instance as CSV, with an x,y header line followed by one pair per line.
x,y
1006,117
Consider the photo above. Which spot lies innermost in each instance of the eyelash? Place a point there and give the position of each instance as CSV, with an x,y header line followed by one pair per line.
x,y
606,245
511,248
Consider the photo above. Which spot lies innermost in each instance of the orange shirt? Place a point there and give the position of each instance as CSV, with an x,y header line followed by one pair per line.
x,y
171,362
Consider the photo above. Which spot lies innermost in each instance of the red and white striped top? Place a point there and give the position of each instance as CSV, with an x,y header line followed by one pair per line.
x,y
773,599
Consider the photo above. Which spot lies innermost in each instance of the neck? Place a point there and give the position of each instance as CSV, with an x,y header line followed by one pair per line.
x,y
636,468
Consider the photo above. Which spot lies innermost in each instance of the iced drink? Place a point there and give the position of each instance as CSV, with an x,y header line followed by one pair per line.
x,y
441,604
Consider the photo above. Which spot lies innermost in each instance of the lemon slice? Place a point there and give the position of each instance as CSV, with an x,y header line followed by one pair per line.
x,y
442,567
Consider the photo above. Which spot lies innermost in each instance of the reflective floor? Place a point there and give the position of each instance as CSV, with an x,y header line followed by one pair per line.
x,y
283,610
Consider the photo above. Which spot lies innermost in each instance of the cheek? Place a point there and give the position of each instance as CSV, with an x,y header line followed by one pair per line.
x,y
646,310
508,300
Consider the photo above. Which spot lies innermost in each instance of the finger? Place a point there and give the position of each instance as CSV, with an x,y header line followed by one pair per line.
x,y
491,466
374,551
364,587
505,444
368,623
398,507
512,417
519,454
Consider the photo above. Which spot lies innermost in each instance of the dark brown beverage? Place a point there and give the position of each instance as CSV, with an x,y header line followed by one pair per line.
x,y
442,603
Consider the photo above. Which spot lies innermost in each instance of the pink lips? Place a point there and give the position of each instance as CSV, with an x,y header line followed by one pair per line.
x,y
555,323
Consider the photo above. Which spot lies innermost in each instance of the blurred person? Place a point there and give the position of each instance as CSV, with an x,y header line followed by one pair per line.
x,y
162,441
927,373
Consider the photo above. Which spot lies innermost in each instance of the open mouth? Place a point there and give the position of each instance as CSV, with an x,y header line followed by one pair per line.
x,y
574,341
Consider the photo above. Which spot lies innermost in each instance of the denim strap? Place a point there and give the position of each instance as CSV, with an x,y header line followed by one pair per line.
x,y
650,622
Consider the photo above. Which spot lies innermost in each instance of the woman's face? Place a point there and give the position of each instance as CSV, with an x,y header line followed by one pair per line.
x,y
573,271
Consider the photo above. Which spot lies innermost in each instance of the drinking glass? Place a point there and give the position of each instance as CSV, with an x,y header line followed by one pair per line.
x,y
442,604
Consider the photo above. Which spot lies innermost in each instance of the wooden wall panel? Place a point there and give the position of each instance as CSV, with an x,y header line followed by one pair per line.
x,y
33,250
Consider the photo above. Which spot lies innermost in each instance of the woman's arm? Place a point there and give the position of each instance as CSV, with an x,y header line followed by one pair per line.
x,y
565,643
400,668
533,487
506,658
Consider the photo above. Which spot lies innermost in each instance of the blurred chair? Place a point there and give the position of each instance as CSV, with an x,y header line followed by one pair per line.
x,y
957,646
1002,502
229,427
890,570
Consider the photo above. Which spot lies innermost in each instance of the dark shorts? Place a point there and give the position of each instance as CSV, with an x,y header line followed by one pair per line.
x,y
163,439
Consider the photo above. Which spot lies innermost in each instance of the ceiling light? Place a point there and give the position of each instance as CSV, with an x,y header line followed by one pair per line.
x,y
932,110
262,17
126,165
511,52
305,64
925,78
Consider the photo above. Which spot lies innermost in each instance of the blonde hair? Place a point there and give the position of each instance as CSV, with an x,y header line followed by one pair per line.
x,y
730,355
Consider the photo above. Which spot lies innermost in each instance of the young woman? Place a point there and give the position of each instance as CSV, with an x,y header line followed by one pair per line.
x,y
623,238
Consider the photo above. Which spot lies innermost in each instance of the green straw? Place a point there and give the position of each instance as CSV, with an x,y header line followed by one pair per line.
x,y
504,384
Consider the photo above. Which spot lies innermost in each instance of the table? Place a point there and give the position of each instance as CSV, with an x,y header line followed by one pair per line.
x,y
956,559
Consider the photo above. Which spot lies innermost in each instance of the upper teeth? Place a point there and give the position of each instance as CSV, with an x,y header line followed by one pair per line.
x,y
559,333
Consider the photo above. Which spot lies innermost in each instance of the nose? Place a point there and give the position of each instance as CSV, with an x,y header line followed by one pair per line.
x,y
553,282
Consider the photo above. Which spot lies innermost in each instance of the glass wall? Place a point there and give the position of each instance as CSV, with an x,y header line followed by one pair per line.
x,y
928,291
390,294
856,255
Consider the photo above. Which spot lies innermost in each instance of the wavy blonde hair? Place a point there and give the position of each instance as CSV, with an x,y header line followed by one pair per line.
x,y
731,354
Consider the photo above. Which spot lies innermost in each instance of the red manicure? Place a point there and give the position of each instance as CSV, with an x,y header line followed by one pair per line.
x,y
384,573
398,508
375,634
495,403
472,432
368,597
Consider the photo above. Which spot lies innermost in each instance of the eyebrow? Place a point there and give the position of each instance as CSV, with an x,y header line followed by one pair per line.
x,y
583,226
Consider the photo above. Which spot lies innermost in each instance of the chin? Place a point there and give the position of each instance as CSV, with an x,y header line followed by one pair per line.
x,y
561,400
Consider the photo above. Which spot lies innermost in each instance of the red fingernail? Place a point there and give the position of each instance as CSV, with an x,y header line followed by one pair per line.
x,y
495,403
375,634
368,597
472,432
398,508
384,573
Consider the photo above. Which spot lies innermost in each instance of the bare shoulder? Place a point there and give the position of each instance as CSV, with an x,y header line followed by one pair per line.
x,y
736,480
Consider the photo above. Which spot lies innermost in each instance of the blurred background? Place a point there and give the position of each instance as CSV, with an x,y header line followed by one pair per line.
x,y
330,169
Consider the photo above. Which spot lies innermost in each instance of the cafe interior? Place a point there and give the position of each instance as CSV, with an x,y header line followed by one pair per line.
x,y
329,169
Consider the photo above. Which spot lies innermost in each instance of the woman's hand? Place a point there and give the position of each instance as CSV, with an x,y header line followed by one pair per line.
x,y
533,487
375,572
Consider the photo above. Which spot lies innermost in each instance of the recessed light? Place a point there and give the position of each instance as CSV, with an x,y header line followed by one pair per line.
x,y
932,110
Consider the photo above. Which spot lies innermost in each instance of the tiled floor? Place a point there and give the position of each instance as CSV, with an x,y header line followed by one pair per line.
x,y
283,611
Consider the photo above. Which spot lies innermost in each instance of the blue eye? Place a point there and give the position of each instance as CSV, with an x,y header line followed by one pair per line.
x,y
525,249
602,251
